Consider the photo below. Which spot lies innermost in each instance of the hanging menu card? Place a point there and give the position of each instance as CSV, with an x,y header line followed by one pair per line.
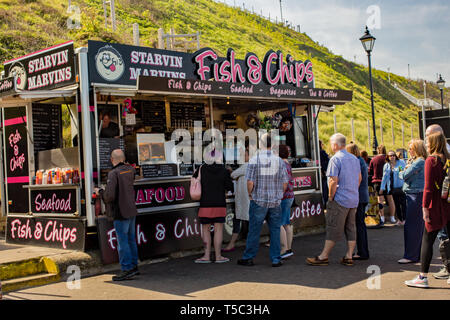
x,y
47,126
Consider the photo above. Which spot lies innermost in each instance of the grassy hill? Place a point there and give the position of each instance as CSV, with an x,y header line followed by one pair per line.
x,y
29,25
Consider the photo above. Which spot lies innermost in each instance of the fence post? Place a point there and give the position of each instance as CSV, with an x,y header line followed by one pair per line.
x,y
393,136
353,131
113,14
411,131
160,38
403,135
335,126
172,39
136,34
381,131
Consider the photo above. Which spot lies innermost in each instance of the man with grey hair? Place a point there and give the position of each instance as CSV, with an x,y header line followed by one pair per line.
x,y
344,177
120,201
444,242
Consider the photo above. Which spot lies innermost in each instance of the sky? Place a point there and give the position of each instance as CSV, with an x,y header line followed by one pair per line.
x,y
414,32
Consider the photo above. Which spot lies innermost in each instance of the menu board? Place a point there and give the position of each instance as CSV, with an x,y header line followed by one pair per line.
x,y
47,126
106,146
184,114
159,170
154,115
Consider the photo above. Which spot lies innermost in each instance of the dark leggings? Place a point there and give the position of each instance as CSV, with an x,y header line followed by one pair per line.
x,y
427,248
400,205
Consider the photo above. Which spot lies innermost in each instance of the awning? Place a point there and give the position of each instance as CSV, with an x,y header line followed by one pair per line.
x,y
19,96
198,88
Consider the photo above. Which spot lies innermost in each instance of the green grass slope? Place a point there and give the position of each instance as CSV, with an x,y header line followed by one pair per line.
x,y
29,25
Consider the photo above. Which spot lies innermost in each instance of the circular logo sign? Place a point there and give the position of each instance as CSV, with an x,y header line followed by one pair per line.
x,y
109,63
18,70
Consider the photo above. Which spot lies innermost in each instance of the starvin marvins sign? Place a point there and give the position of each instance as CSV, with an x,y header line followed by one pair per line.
x,y
46,69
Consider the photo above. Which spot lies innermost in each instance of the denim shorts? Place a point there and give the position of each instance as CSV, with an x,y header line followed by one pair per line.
x,y
286,205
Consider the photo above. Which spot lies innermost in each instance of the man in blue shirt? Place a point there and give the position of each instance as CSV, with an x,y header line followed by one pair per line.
x,y
344,177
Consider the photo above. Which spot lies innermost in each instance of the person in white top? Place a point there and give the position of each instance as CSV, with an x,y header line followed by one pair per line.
x,y
241,202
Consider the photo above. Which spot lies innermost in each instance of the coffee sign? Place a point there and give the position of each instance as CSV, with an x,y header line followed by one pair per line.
x,y
46,69
7,86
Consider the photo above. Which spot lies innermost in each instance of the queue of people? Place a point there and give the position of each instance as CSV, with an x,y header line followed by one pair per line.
x,y
264,192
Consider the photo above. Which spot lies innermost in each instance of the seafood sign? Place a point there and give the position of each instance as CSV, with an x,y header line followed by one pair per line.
x,y
53,201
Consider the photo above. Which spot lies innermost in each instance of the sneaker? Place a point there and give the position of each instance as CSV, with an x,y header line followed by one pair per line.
x,y
245,262
442,274
393,220
287,254
136,271
124,275
277,264
417,282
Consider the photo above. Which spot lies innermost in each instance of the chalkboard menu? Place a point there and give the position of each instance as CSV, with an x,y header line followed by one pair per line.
x,y
188,169
154,115
106,146
180,112
159,170
47,126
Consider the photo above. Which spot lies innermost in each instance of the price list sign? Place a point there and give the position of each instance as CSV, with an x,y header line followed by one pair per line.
x,y
47,126
154,115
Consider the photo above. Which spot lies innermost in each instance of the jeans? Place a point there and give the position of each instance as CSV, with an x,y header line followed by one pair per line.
x,y
361,231
257,215
400,205
442,235
126,242
414,225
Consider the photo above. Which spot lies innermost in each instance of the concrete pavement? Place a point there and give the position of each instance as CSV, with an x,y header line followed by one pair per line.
x,y
183,279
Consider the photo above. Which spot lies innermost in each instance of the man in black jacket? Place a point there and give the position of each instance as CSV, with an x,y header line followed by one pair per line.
x,y
119,198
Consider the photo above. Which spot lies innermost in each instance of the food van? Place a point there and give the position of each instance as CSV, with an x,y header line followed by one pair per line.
x,y
148,102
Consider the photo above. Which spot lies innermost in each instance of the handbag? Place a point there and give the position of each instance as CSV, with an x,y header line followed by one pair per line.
x,y
195,189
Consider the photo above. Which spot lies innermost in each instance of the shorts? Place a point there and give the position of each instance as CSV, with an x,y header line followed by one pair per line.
x,y
286,205
339,221
212,220
377,186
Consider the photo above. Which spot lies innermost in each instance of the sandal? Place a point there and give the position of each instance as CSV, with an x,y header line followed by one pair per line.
x,y
316,261
222,260
200,260
228,250
346,262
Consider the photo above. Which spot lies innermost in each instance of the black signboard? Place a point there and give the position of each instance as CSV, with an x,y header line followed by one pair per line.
x,y
154,115
43,70
7,86
16,158
162,194
157,234
305,180
159,170
112,63
186,169
106,146
48,232
54,200
183,115
440,117
123,64
228,89
176,230
47,126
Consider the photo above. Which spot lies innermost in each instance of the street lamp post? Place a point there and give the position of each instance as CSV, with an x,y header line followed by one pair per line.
x,y
368,42
441,85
